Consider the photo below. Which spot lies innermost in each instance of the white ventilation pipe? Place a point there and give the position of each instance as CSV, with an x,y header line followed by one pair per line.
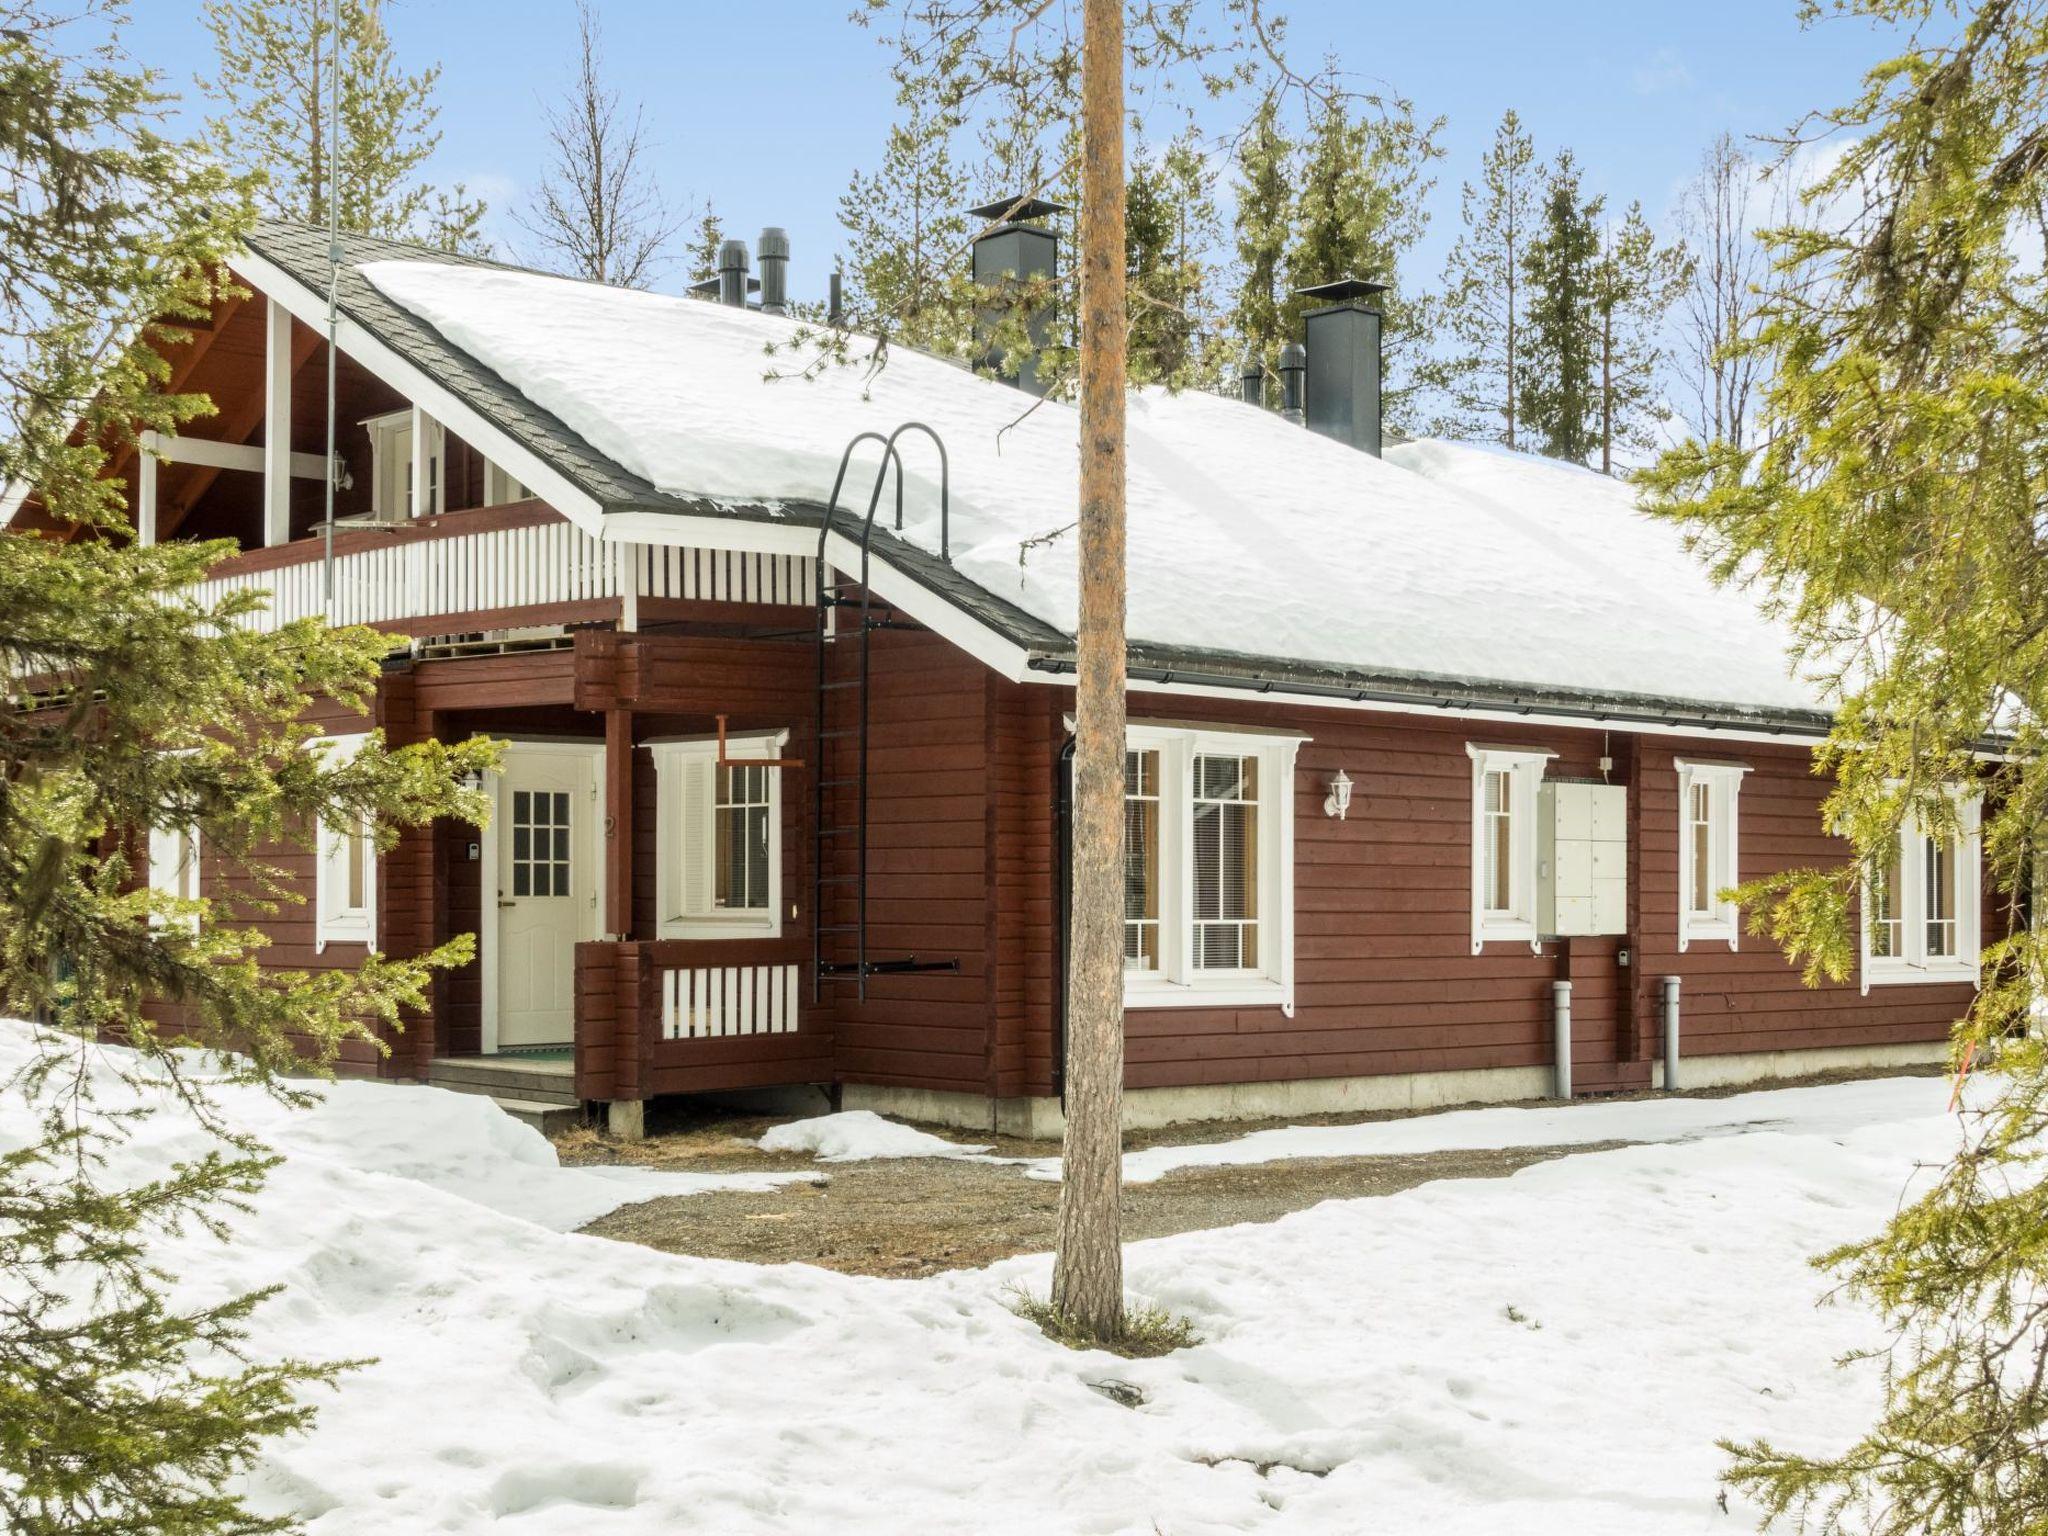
x,y
1670,1034
1561,1019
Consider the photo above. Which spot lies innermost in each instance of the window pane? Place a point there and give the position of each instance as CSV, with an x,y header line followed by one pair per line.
x,y
740,832
1886,935
1141,861
1496,876
1226,861
356,851
1700,807
1941,898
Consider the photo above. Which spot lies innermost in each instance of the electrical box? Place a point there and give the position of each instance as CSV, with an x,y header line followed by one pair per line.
x,y
1581,859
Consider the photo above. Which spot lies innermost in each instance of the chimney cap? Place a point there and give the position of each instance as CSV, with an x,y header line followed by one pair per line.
x,y
1344,290
774,243
1017,210
1293,355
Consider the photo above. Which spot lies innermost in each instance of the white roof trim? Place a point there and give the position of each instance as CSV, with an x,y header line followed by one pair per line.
x,y
507,452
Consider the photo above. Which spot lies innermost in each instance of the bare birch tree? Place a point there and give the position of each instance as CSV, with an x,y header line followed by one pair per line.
x,y
599,213
1719,214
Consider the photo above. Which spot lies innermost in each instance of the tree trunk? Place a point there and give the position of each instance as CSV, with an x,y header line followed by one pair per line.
x,y
1088,1284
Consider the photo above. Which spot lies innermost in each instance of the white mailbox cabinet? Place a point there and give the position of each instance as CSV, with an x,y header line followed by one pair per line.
x,y
1581,859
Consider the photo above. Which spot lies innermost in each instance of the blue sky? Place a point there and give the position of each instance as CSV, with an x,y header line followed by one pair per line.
x,y
765,107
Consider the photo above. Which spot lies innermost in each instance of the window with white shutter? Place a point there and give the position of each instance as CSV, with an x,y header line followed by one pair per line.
x,y
1504,785
345,878
1707,846
174,868
718,830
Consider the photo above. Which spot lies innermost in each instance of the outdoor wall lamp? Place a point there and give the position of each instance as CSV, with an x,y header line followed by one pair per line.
x,y
1338,801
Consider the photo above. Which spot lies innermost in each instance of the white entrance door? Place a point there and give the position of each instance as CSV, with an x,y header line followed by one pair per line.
x,y
546,877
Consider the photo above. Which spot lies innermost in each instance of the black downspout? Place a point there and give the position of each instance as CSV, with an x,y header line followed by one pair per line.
x,y
1063,860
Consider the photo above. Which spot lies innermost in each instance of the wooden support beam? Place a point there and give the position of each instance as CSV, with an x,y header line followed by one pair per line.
x,y
123,464
145,498
618,822
277,424
236,424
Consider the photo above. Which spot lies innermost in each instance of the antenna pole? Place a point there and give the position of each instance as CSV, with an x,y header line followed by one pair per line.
x,y
333,301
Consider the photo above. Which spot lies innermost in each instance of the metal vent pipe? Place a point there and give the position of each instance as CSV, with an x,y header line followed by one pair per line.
x,y
774,251
1293,365
835,303
1251,377
1561,1023
1671,1034
732,273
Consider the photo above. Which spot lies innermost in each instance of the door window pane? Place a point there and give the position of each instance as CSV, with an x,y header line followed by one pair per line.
x,y
1226,861
540,842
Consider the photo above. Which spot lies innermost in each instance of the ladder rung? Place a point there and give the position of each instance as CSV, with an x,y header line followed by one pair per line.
x,y
838,880
838,831
835,783
851,682
839,928
835,735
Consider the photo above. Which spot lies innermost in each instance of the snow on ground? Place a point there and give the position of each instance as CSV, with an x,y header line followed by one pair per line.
x,y
461,1144
1247,535
1807,1111
1549,1353
859,1135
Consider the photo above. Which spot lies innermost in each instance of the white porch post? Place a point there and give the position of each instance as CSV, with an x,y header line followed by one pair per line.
x,y
422,424
145,493
277,426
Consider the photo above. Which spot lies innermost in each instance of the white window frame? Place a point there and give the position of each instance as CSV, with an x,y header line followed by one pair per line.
x,y
165,867
1915,966
1723,784
335,921
681,838
1178,982
1524,767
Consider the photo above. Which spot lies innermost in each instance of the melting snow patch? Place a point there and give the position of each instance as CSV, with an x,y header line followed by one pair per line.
x,y
858,1135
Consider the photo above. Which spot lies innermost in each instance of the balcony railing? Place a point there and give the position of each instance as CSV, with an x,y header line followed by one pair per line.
x,y
493,567
690,1016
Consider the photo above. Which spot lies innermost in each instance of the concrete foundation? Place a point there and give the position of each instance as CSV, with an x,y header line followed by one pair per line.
x,y
626,1119
1041,1119
1763,1066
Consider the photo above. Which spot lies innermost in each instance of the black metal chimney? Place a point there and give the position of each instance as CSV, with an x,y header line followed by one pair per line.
x,y
835,303
1293,364
1344,380
774,249
1251,376
732,273
1015,250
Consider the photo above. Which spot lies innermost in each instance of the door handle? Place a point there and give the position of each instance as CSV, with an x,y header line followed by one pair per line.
x,y
504,903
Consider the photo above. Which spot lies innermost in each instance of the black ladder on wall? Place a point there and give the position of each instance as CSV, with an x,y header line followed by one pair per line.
x,y
839,946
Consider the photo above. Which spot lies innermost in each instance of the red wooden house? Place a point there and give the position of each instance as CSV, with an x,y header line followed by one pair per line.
x,y
1428,742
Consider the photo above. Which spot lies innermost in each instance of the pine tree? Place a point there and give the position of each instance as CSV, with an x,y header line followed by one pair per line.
x,y
907,268
1485,292
1361,206
705,240
1890,502
1170,225
598,213
273,85
1263,219
1559,385
125,705
1634,287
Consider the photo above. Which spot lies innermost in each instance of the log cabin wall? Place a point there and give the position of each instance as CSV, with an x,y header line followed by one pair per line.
x,y
1385,978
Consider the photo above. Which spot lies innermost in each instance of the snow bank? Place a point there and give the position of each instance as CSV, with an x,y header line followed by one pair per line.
x,y
1247,535
458,1144
859,1135
1550,1353
1824,1111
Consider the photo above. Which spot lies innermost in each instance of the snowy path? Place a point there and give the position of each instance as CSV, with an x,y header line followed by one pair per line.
x,y
532,1381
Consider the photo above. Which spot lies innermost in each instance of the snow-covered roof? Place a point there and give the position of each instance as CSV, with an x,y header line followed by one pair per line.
x,y
1250,539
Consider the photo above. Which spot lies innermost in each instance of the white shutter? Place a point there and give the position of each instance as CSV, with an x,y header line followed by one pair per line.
x,y
163,860
699,845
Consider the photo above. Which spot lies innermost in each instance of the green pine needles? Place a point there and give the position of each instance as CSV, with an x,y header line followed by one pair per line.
x,y
1890,505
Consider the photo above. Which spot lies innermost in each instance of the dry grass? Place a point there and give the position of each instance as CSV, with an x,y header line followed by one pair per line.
x,y
1148,1331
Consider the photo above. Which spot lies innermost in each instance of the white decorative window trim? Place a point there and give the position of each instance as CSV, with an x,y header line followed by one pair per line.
x,y
175,856
1524,767
1723,785
685,788
1178,982
337,918
1915,966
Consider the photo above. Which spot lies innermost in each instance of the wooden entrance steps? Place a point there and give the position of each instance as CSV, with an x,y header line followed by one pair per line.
x,y
538,1089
